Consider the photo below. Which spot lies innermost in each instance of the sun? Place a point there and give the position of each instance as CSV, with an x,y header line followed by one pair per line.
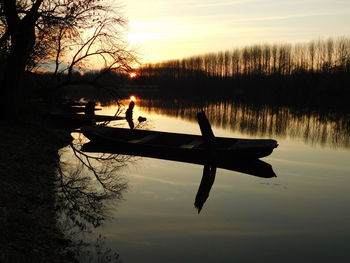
x,y
132,75
133,98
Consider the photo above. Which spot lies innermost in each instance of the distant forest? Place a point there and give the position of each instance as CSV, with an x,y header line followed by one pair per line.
x,y
314,73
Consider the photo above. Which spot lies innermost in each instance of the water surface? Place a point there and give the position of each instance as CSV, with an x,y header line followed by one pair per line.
x,y
301,215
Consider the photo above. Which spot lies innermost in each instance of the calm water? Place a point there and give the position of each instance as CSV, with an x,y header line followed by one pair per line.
x,y
302,215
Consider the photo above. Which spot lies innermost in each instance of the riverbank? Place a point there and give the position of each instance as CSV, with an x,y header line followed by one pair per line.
x,y
28,162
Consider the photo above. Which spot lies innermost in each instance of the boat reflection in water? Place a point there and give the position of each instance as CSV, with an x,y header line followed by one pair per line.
x,y
251,167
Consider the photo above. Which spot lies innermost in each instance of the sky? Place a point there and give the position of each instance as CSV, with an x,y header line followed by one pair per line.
x,y
169,29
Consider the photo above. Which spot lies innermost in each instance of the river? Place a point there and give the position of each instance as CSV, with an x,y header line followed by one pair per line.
x,y
301,215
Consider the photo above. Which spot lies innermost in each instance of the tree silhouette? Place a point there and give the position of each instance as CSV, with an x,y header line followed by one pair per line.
x,y
56,31
260,60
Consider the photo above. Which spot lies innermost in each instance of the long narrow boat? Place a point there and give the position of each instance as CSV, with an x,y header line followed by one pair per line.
x,y
177,144
79,120
254,167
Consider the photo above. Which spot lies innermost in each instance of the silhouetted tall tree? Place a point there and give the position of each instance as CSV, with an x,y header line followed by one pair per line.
x,y
319,56
20,33
35,31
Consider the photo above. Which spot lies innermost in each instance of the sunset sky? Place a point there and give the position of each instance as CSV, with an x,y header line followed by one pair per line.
x,y
167,29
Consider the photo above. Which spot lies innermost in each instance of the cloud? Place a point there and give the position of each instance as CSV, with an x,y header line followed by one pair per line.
x,y
179,28
291,16
223,3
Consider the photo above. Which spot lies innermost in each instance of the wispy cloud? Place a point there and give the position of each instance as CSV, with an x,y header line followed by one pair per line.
x,y
290,16
223,3
181,27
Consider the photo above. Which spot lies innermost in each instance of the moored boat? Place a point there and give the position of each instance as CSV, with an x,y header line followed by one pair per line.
x,y
177,144
78,120
254,167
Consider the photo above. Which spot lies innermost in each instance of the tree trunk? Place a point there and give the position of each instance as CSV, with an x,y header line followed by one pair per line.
x,y
22,36
12,88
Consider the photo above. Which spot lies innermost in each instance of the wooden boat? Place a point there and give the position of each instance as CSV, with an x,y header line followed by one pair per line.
x,y
181,145
83,118
254,167
78,109
71,120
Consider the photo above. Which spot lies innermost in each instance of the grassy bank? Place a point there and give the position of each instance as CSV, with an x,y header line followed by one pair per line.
x,y
28,163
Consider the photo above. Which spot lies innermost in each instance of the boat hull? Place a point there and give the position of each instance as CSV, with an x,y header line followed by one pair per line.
x,y
176,144
252,167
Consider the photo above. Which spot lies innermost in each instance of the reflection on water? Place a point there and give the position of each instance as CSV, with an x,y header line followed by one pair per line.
x,y
88,189
262,121
208,178
242,218
89,186
252,167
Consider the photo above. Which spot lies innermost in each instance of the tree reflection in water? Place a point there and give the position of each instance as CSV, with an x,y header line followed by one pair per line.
x,y
87,190
313,127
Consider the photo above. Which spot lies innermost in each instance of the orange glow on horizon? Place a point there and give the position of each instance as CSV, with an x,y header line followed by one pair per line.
x,y
133,98
132,75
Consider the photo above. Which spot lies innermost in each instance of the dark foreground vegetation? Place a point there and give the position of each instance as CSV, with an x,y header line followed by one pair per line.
x,y
315,74
28,224
61,36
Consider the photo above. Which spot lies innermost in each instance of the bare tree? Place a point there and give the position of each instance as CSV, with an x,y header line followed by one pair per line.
x,y
34,31
319,56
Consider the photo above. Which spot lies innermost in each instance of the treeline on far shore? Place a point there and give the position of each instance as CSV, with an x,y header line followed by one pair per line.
x,y
316,73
